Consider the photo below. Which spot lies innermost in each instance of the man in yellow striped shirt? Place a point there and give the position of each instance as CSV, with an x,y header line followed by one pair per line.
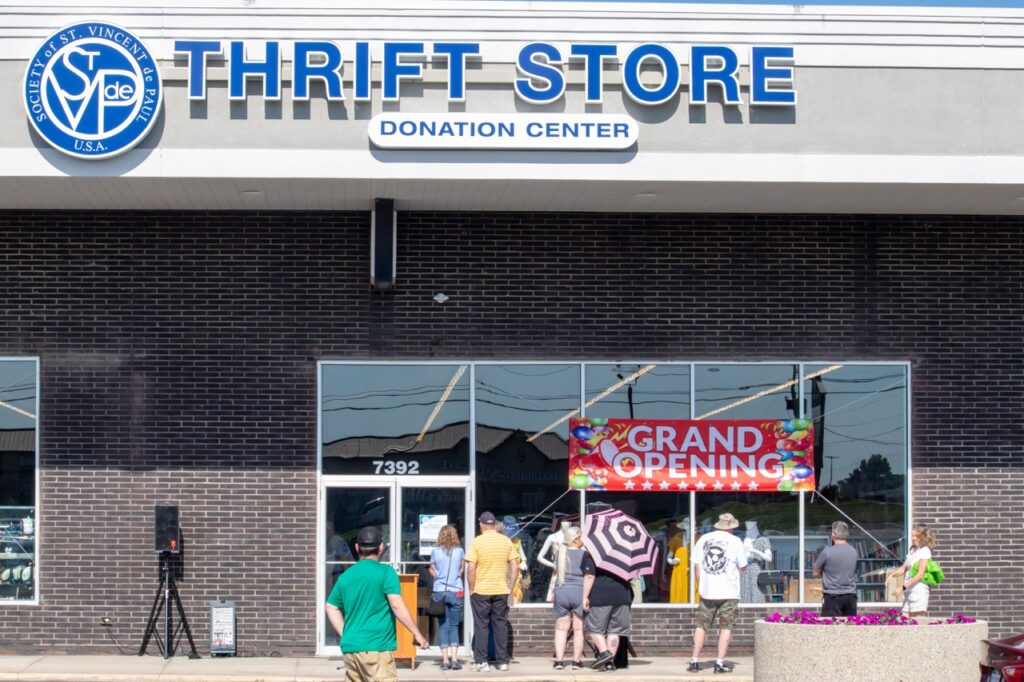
x,y
491,566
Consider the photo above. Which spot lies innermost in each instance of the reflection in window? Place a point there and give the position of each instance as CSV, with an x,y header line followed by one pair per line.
x,y
860,419
395,419
407,419
643,391
18,390
745,391
522,443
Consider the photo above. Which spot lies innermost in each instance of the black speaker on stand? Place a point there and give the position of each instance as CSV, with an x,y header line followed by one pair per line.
x,y
167,542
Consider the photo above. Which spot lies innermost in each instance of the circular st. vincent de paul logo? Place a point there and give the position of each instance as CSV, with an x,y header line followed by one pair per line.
x,y
92,90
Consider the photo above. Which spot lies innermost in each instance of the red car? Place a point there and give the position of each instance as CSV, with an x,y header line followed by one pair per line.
x,y
1004,660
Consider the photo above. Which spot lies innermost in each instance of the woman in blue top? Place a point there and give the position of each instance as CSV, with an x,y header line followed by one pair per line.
x,y
446,565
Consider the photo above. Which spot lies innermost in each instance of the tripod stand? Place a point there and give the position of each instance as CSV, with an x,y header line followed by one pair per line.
x,y
164,594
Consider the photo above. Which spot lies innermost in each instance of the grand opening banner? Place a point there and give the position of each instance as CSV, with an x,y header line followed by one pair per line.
x,y
683,455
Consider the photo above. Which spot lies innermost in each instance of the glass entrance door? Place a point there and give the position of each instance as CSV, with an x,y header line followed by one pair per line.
x,y
424,511
410,511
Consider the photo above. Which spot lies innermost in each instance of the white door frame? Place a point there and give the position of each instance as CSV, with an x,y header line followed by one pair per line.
x,y
395,484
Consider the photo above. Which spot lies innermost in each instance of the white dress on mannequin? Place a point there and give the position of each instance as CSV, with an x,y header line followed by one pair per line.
x,y
549,553
759,555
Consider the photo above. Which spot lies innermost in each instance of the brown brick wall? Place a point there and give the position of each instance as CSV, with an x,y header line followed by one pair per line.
x,y
178,363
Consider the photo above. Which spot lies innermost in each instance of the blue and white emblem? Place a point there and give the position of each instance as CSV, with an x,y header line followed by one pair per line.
x,y
93,90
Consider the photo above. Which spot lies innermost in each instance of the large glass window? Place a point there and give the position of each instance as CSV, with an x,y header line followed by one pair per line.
x,y
18,462
402,419
395,419
860,420
769,522
522,453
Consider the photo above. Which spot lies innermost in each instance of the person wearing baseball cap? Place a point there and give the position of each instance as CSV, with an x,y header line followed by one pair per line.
x,y
492,566
718,559
363,607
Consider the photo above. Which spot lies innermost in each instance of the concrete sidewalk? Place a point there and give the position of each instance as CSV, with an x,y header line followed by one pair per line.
x,y
180,669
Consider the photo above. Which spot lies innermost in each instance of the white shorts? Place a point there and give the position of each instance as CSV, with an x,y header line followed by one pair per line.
x,y
915,600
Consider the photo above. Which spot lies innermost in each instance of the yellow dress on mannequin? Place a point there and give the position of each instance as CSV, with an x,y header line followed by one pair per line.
x,y
518,590
679,588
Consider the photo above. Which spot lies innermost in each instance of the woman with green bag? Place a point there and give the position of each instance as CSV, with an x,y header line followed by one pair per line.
x,y
915,590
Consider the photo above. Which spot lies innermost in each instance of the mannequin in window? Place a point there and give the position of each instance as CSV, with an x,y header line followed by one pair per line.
x,y
510,528
759,556
549,552
679,558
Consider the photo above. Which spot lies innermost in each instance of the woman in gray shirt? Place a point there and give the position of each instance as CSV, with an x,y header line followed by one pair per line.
x,y
568,598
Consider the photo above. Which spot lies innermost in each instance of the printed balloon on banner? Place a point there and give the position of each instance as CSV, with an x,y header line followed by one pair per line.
x,y
684,455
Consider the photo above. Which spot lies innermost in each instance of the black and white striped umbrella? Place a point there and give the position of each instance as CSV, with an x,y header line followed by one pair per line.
x,y
620,544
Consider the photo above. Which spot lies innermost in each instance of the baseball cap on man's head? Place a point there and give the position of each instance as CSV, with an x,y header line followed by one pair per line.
x,y
369,536
487,518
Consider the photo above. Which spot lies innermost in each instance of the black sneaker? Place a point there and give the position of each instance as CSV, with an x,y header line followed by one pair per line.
x,y
723,667
576,665
559,665
601,659
694,667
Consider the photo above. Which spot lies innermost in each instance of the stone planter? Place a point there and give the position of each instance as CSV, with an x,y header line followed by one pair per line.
x,y
859,653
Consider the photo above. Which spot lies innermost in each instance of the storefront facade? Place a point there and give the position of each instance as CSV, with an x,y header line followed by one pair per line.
x,y
192,318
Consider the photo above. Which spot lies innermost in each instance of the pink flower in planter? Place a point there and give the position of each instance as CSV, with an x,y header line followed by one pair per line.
x,y
891,617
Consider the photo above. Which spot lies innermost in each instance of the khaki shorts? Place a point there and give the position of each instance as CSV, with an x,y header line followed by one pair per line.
x,y
725,610
371,666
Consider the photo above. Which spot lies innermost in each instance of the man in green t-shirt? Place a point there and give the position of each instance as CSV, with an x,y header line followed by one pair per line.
x,y
363,606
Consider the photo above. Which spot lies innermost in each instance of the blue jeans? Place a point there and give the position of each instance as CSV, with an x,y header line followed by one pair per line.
x,y
448,624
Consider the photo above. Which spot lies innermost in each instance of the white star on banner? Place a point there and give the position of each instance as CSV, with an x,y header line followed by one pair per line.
x,y
700,485
735,485
681,485
647,485
629,484
663,485
718,485
752,485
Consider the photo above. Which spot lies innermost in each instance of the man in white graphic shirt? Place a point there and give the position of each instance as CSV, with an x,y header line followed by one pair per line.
x,y
718,560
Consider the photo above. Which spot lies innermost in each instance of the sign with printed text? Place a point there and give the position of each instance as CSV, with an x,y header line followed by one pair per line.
x,y
93,90
430,529
502,131
684,455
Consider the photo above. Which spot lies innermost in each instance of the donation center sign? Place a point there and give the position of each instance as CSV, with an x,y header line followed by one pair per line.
x,y
684,455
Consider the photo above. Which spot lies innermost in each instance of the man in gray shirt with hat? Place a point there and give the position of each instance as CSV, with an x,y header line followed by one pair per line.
x,y
837,566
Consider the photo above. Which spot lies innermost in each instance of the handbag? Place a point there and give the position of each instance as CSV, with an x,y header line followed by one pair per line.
x,y
436,607
933,574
